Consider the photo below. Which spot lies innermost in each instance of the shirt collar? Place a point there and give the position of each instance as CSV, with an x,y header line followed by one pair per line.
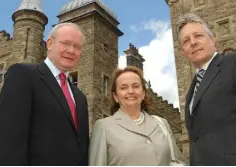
x,y
205,65
54,69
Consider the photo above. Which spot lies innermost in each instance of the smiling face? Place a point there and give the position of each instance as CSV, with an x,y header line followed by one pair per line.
x,y
196,44
64,48
129,91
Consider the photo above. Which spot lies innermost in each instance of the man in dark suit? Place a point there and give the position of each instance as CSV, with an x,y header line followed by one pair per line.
x,y
43,117
210,111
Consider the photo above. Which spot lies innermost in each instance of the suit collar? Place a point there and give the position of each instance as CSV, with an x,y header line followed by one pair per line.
x,y
210,74
49,80
205,65
123,120
55,71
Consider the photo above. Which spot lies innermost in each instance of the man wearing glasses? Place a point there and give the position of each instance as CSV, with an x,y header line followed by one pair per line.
x,y
43,116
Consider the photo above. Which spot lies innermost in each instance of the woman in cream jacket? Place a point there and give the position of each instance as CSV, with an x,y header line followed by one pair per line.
x,y
130,136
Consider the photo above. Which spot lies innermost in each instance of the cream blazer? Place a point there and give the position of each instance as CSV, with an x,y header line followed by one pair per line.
x,y
118,141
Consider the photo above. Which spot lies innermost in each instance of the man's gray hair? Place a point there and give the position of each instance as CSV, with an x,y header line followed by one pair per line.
x,y
191,18
55,29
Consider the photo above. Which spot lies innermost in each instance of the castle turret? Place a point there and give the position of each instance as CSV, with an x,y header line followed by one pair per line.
x,y
29,23
133,57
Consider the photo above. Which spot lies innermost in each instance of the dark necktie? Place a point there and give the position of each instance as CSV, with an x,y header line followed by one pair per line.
x,y
69,99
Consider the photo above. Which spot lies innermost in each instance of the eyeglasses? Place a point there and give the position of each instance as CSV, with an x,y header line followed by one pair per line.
x,y
68,44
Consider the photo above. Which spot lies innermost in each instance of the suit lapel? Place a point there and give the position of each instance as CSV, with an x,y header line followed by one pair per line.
x,y
209,76
124,121
48,78
190,92
188,100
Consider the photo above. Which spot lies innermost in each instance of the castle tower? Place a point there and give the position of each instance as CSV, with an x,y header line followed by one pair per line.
x,y
133,57
100,52
221,19
29,23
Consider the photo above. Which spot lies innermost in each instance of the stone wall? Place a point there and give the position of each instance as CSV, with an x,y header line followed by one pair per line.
x,y
163,109
6,49
106,61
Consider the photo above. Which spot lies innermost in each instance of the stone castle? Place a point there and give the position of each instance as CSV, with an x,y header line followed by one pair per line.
x,y
99,57
220,16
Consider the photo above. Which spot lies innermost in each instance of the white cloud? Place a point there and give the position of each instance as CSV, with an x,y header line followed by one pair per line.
x,y
122,62
158,27
159,65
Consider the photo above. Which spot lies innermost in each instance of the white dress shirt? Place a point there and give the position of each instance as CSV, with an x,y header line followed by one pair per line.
x,y
56,73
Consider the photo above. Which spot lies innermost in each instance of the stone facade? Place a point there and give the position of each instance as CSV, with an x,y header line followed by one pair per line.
x,y
221,18
6,48
98,60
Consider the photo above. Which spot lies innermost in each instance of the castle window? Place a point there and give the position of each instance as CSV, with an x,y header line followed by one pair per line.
x,y
74,77
105,84
105,47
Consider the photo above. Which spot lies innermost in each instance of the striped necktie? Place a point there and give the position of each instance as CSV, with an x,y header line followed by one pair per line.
x,y
200,75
